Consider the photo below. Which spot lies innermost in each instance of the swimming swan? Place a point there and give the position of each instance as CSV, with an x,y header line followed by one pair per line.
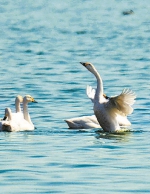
x,y
88,122
106,110
19,124
85,122
18,113
9,124
122,119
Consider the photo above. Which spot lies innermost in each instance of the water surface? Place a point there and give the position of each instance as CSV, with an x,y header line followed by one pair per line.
x,y
42,43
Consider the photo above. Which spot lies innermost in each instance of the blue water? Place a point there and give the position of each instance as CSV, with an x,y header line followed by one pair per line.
x,y
42,43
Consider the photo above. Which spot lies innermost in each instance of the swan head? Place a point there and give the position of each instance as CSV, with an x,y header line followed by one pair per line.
x,y
89,66
19,99
28,99
8,113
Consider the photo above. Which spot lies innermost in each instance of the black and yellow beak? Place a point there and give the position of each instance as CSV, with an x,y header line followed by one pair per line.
x,y
84,64
4,119
34,100
105,96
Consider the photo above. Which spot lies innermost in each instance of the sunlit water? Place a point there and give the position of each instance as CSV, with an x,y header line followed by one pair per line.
x,y
42,43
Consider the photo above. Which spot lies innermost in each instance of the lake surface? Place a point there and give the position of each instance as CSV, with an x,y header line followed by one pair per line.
x,y
42,43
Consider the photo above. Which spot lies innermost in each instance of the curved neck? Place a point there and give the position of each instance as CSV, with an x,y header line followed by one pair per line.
x,y
17,105
26,113
9,116
99,89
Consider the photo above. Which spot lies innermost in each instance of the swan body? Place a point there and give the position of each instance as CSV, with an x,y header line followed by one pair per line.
x,y
122,119
18,114
85,122
107,110
88,122
19,124
4,120
9,124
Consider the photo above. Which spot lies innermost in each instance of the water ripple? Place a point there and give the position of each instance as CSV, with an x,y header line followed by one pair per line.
x,y
42,44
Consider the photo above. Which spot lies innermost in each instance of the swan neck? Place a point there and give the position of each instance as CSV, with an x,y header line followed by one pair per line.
x,y
9,117
26,113
17,105
99,89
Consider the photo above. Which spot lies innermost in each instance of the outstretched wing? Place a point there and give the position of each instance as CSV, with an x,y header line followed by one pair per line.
x,y
123,102
90,92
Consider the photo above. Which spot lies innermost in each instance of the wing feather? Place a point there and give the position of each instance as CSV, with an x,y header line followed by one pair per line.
x,y
124,101
90,92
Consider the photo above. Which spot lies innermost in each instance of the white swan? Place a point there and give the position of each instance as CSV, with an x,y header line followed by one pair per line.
x,y
19,124
18,113
88,122
4,120
106,110
9,124
85,122
122,119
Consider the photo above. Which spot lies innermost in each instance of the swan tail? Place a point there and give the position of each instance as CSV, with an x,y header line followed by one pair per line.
x,y
73,125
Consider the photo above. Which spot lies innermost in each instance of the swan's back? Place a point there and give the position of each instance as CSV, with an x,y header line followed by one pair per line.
x,y
84,122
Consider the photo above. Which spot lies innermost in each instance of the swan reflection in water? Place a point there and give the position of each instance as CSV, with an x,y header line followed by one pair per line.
x,y
118,136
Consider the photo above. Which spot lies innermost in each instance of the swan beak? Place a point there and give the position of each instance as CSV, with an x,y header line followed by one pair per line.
x,y
5,117
84,64
105,96
34,101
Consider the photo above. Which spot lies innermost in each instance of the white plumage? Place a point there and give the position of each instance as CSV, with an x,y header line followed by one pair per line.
x,y
88,122
122,120
109,111
85,122
18,114
16,122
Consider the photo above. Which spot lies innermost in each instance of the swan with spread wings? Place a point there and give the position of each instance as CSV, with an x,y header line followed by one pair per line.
x,y
108,110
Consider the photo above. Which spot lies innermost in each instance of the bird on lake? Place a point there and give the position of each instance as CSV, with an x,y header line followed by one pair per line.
x,y
18,113
84,122
89,122
18,123
129,12
122,120
107,110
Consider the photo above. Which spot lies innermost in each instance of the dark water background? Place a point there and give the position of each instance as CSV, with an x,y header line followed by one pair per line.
x,y
41,45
